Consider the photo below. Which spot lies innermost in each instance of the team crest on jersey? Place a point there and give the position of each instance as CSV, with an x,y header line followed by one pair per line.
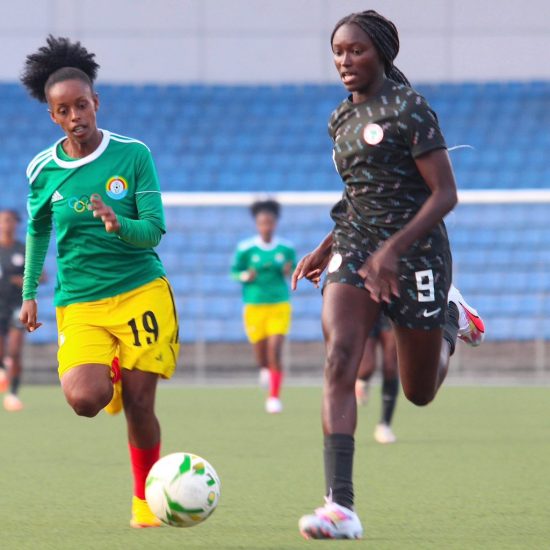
x,y
117,188
373,134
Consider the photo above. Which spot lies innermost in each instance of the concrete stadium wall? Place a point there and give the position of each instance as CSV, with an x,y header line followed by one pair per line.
x,y
272,41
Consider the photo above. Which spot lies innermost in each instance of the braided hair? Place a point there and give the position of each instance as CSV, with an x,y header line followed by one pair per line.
x,y
271,206
384,36
58,61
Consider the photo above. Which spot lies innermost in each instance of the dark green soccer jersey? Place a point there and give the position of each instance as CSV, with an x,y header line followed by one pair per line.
x,y
91,263
375,146
271,262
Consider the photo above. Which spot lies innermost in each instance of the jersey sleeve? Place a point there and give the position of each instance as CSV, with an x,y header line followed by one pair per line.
x,y
147,230
148,195
38,240
39,226
420,128
239,263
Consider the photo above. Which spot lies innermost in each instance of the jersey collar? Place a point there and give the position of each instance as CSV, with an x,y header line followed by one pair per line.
x,y
266,246
84,160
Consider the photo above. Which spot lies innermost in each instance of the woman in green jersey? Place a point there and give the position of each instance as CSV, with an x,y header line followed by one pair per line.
x,y
263,264
388,250
101,193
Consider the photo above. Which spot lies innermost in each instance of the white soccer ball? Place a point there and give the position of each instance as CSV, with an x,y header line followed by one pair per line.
x,y
182,489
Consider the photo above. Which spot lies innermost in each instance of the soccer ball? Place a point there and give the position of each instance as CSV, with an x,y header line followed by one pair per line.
x,y
182,489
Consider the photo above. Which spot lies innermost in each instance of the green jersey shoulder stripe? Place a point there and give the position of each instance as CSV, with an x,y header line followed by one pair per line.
x,y
38,158
125,139
247,243
285,242
37,163
43,158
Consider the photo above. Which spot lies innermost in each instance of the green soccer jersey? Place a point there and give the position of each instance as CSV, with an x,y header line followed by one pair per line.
x,y
271,263
93,264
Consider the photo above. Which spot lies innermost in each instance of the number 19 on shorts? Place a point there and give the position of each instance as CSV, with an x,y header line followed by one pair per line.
x,y
425,285
150,326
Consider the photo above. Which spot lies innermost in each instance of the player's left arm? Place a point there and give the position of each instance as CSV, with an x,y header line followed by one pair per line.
x,y
147,230
435,168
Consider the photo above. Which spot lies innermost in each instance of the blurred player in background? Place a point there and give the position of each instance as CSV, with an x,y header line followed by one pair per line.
x,y
101,192
381,336
12,261
263,264
388,250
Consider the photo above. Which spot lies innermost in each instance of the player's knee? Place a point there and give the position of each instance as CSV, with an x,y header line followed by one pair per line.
x,y
138,407
87,405
337,366
419,397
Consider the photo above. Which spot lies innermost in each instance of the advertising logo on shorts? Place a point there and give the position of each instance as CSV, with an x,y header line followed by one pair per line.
x,y
373,134
117,188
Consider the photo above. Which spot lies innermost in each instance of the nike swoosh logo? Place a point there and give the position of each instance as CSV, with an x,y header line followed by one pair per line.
x,y
431,313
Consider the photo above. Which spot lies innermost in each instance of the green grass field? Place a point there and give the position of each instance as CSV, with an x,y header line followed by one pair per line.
x,y
470,471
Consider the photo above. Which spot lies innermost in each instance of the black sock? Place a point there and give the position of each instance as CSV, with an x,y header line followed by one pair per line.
x,y
450,330
338,452
14,385
390,390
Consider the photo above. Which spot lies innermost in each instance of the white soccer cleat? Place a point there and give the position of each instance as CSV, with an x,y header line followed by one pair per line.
x,y
471,328
384,434
332,521
273,405
12,403
263,378
361,392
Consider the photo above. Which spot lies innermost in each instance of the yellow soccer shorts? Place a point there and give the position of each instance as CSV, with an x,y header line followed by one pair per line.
x,y
264,320
139,326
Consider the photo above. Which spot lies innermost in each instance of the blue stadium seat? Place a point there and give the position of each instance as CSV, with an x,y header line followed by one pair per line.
x,y
249,138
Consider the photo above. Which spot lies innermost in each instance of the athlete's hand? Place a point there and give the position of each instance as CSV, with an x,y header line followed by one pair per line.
x,y
248,276
28,315
381,274
311,267
106,213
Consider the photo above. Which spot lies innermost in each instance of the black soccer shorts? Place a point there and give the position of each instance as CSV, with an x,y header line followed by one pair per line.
x,y
424,281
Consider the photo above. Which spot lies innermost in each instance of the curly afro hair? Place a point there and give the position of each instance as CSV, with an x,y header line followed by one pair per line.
x,y
271,206
59,60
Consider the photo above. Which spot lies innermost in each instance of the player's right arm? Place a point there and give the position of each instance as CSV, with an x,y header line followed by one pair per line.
x,y
239,267
38,240
312,265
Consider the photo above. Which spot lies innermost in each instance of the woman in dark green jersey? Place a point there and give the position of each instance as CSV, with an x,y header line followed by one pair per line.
x,y
388,250
113,302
